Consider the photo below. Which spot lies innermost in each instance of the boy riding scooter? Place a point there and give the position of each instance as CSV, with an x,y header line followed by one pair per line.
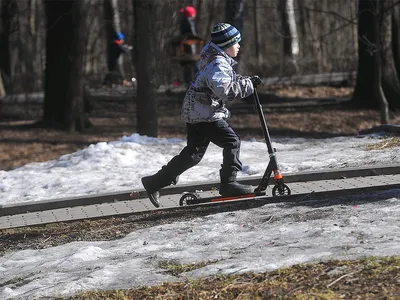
x,y
205,114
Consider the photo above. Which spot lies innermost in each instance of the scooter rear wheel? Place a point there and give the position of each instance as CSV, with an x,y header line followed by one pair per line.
x,y
188,199
281,190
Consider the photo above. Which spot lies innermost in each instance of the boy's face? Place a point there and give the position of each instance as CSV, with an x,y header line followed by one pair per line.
x,y
233,50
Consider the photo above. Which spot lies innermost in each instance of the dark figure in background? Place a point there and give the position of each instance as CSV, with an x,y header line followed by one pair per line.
x,y
116,48
188,25
188,32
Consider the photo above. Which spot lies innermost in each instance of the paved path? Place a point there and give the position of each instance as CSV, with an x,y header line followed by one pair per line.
x,y
303,186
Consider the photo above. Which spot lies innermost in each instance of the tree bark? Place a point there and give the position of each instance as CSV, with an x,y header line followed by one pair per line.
x,y
234,15
8,11
390,75
377,77
290,40
74,112
63,103
147,119
376,39
311,34
116,17
2,89
256,32
368,91
58,39
234,12
108,22
396,37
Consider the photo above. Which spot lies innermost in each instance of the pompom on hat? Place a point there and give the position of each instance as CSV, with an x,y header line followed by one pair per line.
x,y
188,11
224,35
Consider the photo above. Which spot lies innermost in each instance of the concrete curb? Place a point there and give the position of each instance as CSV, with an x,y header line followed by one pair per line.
x,y
297,198
32,206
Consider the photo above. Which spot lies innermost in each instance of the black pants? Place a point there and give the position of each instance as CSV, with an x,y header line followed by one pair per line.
x,y
199,136
114,75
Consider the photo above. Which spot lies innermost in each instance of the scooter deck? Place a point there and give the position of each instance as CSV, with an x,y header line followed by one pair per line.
x,y
196,198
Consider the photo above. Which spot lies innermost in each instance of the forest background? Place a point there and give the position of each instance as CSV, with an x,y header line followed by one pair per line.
x,y
59,48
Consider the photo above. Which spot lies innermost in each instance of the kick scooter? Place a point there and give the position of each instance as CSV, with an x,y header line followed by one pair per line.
x,y
279,189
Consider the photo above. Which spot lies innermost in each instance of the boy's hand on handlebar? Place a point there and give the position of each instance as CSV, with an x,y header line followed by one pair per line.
x,y
256,80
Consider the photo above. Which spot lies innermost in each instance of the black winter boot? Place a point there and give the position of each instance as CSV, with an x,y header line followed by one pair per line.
x,y
152,184
230,187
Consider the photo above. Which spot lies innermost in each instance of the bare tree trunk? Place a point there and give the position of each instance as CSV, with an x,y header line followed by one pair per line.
x,y
377,75
8,25
66,35
396,37
234,12
34,49
116,17
108,15
27,50
311,40
390,75
147,120
290,40
256,31
58,37
302,17
293,29
74,111
363,93
4,46
2,89
234,15
368,91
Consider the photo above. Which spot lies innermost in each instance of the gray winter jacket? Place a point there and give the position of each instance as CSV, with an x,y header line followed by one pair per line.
x,y
215,84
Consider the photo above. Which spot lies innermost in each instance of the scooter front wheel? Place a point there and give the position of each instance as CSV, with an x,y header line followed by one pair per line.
x,y
281,190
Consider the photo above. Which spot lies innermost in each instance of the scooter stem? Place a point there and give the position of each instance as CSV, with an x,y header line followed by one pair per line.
x,y
263,122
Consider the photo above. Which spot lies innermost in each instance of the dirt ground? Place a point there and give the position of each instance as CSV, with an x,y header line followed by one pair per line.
x,y
290,111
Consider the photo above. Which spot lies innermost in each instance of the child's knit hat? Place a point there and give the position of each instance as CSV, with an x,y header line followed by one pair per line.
x,y
224,35
120,36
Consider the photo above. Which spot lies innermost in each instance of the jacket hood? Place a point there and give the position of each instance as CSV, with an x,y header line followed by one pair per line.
x,y
210,52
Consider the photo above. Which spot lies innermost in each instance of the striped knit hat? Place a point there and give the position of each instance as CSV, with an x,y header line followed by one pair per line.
x,y
224,35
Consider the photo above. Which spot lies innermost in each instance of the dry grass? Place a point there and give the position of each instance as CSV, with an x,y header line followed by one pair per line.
x,y
368,278
390,142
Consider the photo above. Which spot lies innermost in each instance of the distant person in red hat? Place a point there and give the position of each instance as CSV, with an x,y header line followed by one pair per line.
x,y
188,25
189,32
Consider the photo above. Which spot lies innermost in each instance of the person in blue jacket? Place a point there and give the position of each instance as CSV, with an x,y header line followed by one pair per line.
x,y
205,113
116,48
